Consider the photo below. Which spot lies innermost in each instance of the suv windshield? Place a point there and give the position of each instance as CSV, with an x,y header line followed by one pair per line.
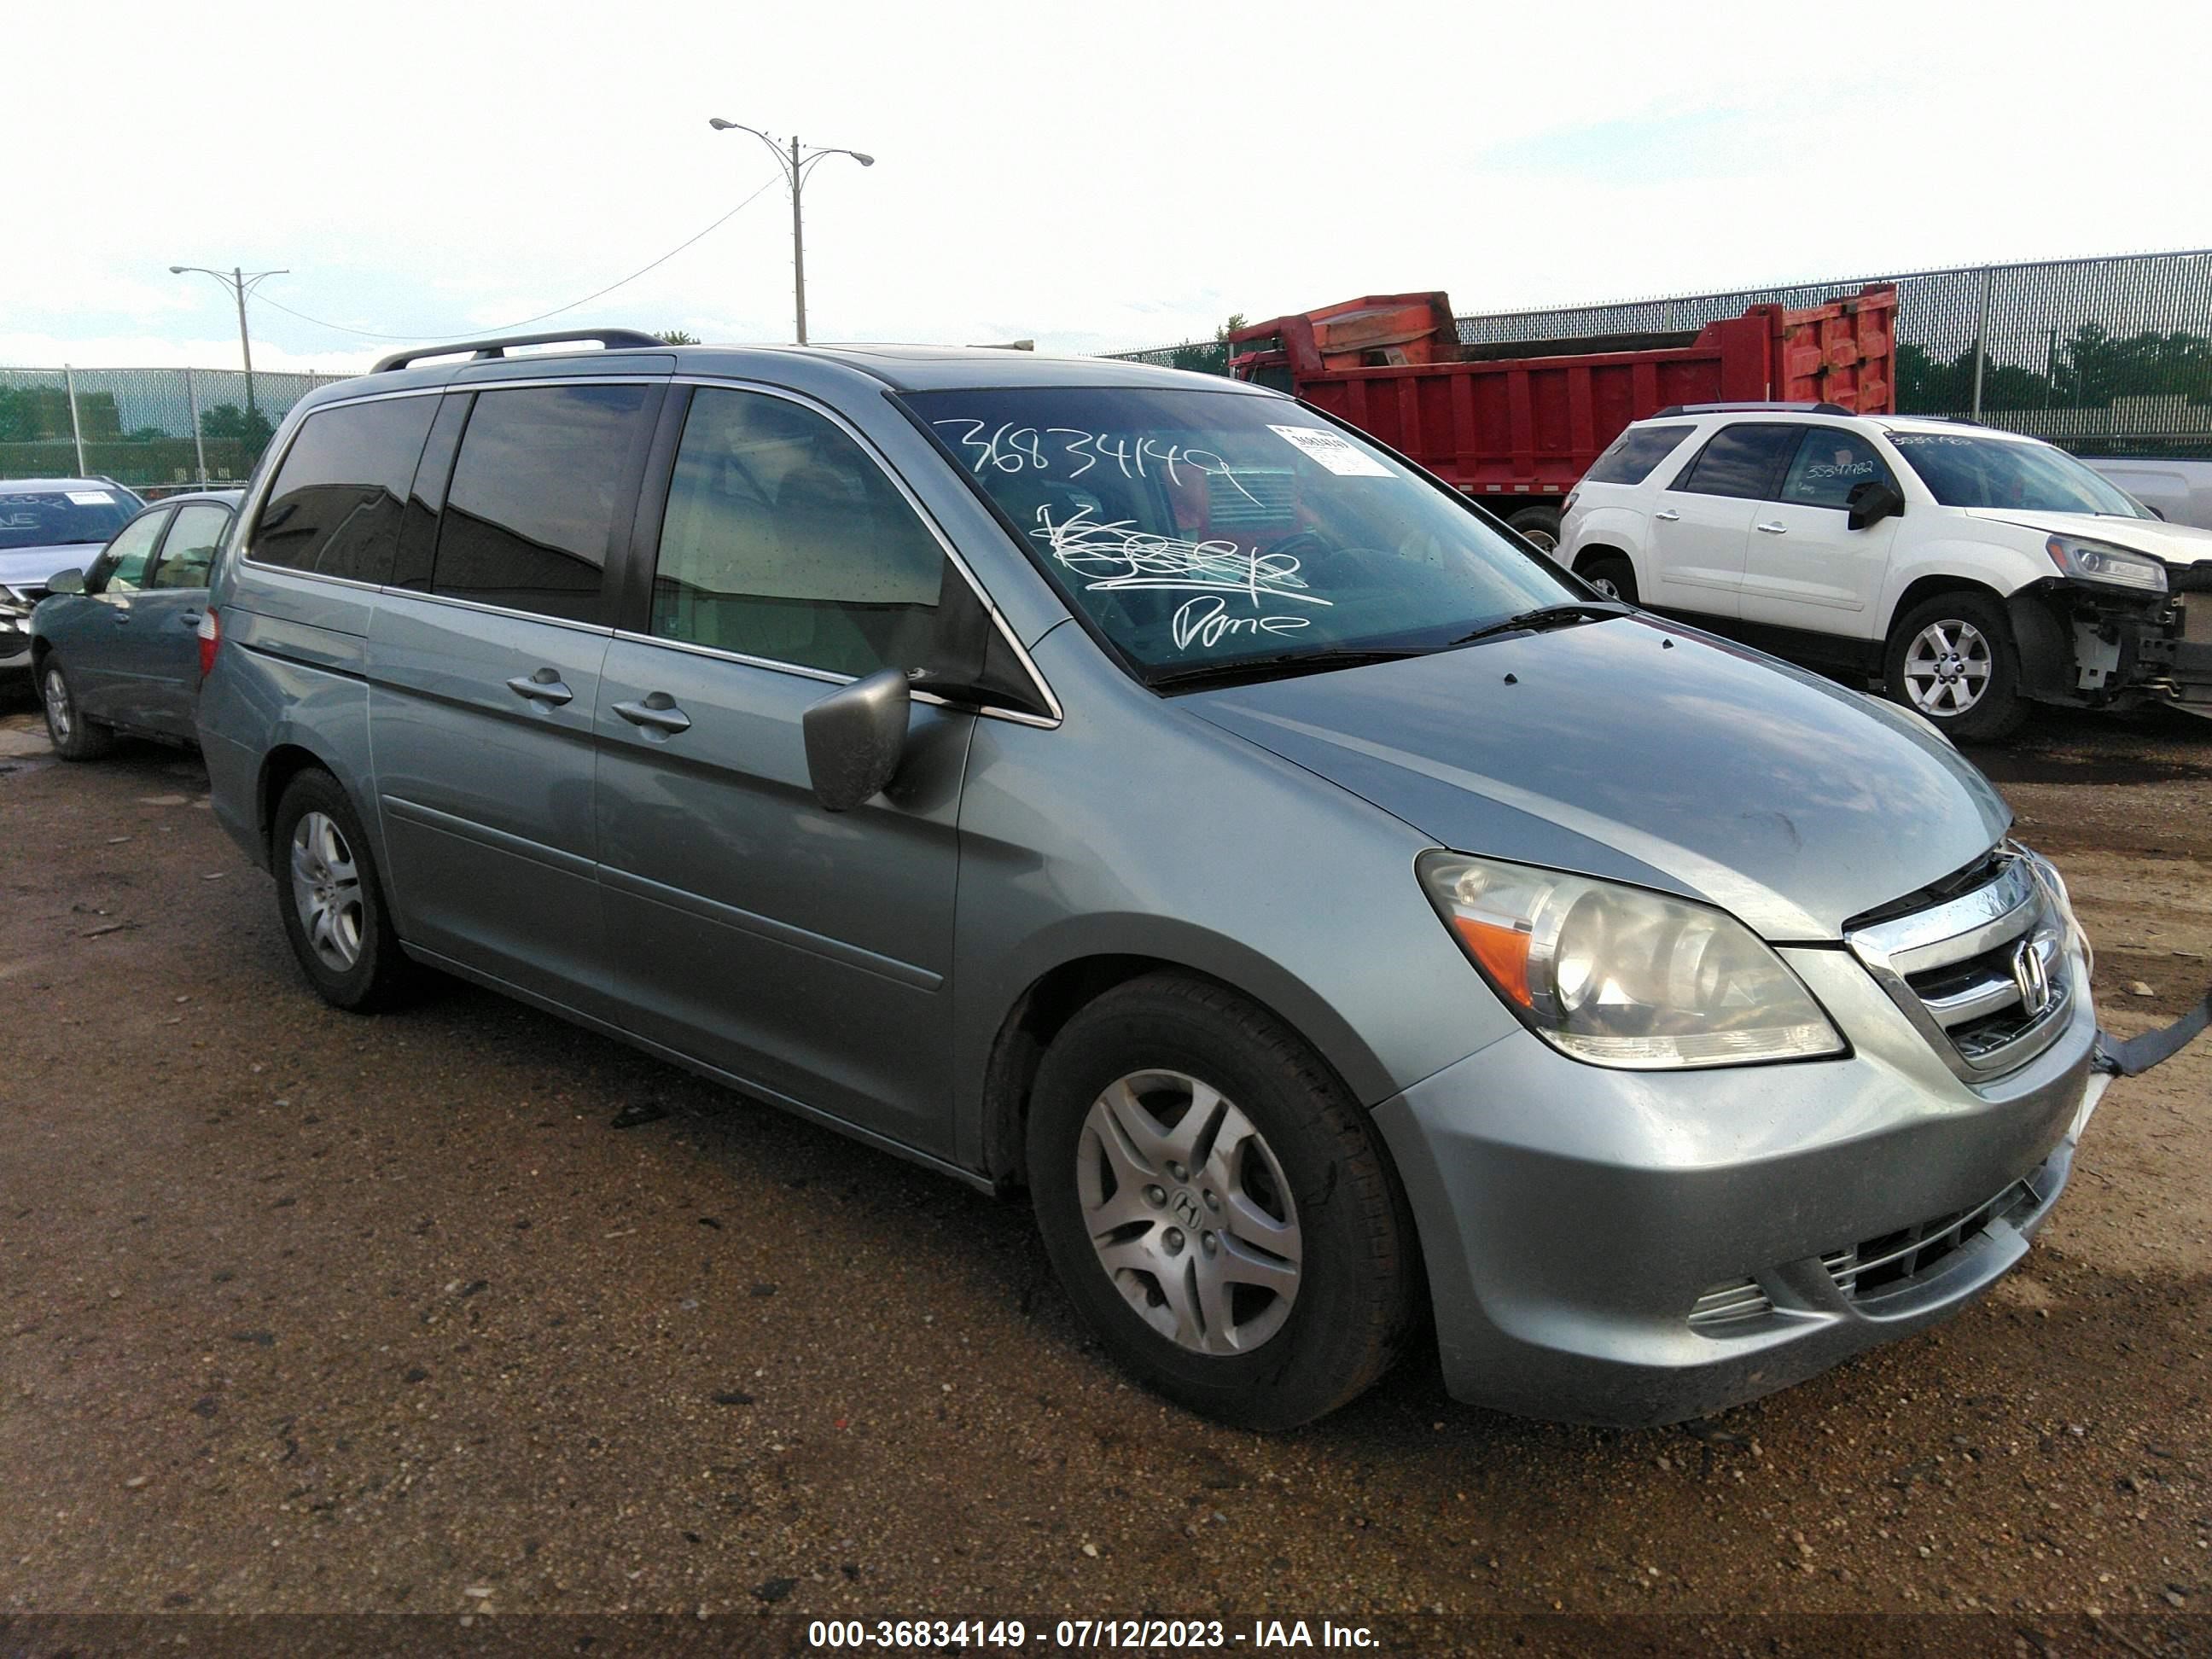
x,y
51,517
1198,530
2011,472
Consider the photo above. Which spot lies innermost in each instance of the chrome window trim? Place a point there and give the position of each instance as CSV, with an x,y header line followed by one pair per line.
x,y
459,604
869,448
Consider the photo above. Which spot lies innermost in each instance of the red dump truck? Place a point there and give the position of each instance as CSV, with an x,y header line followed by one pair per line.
x,y
1527,420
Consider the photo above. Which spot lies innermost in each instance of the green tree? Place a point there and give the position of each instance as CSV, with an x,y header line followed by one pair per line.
x,y
228,421
676,337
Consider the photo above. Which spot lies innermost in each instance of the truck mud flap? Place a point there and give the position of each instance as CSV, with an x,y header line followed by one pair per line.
x,y
2138,1054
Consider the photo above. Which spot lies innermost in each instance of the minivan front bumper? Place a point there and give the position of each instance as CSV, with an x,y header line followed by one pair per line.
x,y
1574,1218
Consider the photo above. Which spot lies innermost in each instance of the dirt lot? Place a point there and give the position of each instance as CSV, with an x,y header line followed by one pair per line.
x,y
461,1310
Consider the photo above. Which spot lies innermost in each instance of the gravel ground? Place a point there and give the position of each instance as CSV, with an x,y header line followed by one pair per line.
x,y
462,1310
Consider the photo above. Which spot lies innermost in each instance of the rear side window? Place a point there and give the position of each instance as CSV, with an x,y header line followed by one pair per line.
x,y
541,482
189,550
1831,463
1630,457
1746,459
335,507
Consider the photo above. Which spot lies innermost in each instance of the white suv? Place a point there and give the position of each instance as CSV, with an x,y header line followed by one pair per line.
x,y
1974,570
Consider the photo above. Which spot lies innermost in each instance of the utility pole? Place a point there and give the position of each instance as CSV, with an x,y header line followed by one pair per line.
x,y
240,285
797,163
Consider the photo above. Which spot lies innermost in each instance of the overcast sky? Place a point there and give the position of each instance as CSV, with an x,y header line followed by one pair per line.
x,y
1096,176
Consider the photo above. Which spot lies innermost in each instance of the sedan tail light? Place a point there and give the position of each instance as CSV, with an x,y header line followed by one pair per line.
x,y
210,638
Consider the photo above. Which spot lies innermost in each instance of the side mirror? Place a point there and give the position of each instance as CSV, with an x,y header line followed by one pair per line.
x,y
1870,502
854,739
66,581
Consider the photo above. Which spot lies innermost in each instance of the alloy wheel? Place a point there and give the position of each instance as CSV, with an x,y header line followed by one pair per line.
x,y
326,888
1947,667
61,717
1189,1211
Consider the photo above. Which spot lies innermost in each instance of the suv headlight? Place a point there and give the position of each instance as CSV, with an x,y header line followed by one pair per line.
x,y
2098,562
1620,977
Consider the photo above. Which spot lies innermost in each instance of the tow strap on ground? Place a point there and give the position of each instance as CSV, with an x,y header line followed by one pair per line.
x,y
2138,1054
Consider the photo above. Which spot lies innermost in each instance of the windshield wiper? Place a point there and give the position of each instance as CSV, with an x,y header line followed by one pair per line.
x,y
1547,616
1285,663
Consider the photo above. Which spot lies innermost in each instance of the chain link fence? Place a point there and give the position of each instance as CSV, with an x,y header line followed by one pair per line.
x,y
2104,356
155,429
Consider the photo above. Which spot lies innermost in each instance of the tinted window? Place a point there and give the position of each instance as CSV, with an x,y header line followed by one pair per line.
x,y
54,518
1630,457
1741,460
122,568
1830,464
783,540
540,480
336,504
190,550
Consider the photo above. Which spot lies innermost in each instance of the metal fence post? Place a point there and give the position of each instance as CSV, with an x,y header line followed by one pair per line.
x,y
76,427
1981,339
199,440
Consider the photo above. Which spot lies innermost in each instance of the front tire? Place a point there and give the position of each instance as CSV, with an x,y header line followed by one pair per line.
x,y
1952,659
1611,574
331,899
1219,1208
73,735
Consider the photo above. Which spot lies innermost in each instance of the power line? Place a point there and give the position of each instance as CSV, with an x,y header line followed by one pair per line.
x,y
501,328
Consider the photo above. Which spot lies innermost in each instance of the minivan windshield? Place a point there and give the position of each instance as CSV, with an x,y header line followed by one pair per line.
x,y
56,518
2010,472
1199,530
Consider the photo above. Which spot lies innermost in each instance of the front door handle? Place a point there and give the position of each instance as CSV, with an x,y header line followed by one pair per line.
x,y
188,619
544,686
1667,517
1773,529
658,713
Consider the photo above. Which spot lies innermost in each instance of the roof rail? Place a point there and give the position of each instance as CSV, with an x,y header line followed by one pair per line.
x,y
611,339
1731,408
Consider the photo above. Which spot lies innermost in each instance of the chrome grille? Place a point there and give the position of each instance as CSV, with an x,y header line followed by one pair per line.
x,y
1984,976
1730,1303
1892,1260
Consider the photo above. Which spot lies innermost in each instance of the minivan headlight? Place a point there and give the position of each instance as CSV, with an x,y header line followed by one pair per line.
x,y
2098,562
1621,976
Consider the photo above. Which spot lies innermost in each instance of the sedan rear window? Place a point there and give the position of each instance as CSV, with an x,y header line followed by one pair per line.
x,y
1630,457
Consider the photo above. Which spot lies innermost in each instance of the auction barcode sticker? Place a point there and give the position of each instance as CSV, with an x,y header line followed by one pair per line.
x,y
1342,457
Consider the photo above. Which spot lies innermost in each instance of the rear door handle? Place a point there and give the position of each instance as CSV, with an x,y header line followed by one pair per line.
x,y
1773,529
1667,517
658,712
544,686
188,619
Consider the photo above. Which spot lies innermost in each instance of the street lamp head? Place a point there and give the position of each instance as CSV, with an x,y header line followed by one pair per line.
x,y
177,270
719,125
865,160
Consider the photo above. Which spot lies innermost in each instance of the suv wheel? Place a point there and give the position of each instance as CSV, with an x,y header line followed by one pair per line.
x,y
1952,659
1611,574
330,900
1217,1206
73,735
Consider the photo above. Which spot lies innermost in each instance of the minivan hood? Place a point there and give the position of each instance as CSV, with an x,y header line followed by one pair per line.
x,y
30,567
1639,751
2176,544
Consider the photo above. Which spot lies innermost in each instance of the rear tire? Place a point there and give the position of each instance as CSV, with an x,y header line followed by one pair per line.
x,y
1539,526
73,735
1612,574
1953,660
1219,1208
331,899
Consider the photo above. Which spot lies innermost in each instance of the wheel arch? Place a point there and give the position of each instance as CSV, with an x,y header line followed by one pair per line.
x,y
1051,997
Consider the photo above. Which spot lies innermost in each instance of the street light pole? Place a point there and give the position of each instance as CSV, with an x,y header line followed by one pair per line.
x,y
797,163
240,285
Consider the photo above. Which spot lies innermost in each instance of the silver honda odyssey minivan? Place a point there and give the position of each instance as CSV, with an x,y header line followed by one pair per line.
x,y
1136,788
